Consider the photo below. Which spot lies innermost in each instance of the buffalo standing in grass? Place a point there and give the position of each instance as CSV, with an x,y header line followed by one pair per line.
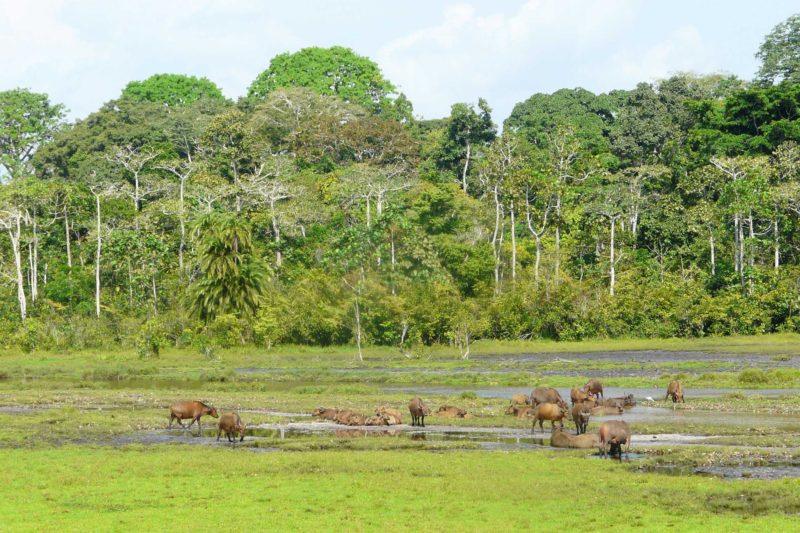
x,y
418,411
190,409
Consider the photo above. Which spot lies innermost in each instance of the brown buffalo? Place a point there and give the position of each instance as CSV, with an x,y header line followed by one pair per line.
x,y
450,411
520,399
604,410
613,435
231,424
190,409
349,418
579,396
520,411
548,411
612,402
375,420
418,411
546,395
562,439
675,390
325,413
594,386
393,415
626,401
580,415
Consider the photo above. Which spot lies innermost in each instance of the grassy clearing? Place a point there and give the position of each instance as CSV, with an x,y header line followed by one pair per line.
x,y
118,364
72,489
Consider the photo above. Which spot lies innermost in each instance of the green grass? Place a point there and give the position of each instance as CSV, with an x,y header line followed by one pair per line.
x,y
179,488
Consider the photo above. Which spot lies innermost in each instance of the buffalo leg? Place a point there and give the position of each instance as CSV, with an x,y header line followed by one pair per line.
x,y
218,434
423,421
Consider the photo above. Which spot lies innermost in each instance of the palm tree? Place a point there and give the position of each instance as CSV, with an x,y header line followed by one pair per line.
x,y
231,278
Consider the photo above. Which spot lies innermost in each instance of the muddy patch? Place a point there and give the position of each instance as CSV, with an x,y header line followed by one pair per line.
x,y
638,393
648,356
776,470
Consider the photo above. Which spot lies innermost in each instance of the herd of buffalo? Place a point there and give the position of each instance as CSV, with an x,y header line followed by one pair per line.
x,y
544,403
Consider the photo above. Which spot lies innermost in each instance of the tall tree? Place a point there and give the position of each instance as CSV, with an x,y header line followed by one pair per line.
x,y
779,53
231,277
172,90
334,71
468,131
27,121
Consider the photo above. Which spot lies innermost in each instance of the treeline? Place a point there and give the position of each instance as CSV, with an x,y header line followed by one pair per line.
x,y
317,210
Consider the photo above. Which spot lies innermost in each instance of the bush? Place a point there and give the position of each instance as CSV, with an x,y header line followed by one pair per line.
x,y
753,376
151,339
227,331
30,335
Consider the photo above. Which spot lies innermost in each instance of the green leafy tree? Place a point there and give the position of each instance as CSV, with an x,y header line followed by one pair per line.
x,y
780,53
468,132
231,277
27,121
334,71
541,115
172,90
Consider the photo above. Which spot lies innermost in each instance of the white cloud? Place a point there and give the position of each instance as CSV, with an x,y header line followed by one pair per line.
x,y
35,38
683,50
468,54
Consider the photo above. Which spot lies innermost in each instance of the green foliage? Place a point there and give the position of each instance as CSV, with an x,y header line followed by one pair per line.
x,y
334,71
151,339
779,53
27,121
172,90
232,278
226,331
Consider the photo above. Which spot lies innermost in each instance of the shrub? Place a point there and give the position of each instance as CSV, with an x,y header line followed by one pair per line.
x,y
151,339
753,376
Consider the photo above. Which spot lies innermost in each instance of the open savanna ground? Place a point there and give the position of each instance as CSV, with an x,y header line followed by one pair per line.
x,y
85,442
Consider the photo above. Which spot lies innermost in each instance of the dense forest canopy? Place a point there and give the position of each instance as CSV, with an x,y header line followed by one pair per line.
x,y
317,210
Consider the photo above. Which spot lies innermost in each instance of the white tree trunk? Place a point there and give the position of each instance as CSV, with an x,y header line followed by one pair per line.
x,y
34,258
67,237
181,208
557,267
97,260
777,262
276,232
357,308
513,244
713,258
466,167
612,266
14,232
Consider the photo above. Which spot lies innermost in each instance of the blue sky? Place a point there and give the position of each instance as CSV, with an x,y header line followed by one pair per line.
x,y
84,52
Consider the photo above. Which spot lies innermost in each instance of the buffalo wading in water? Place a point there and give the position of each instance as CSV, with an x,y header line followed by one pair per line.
x,y
613,435
580,415
593,386
606,410
190,409
562,439
231,424
325,413
577,396
546,395
675,390
418,411
393,416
